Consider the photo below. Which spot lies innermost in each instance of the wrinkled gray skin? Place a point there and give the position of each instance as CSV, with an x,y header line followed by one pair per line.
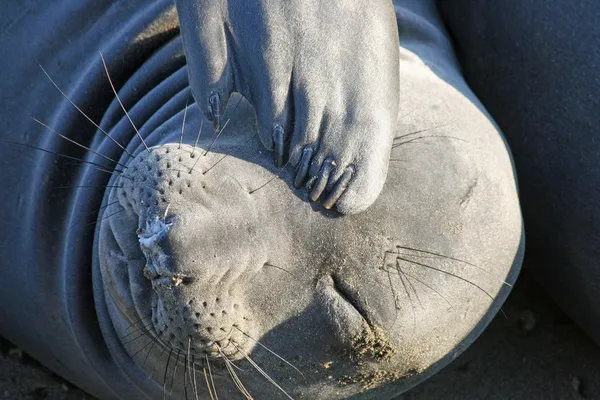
x,y
323,83
196,258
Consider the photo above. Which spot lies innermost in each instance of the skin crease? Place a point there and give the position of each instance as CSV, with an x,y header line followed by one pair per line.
x,y
363,305
291,60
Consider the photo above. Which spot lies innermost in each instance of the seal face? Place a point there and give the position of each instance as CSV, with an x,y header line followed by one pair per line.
x,y
216,263
193,230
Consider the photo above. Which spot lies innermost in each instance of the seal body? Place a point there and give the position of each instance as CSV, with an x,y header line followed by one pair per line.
x,y
161,255
542,90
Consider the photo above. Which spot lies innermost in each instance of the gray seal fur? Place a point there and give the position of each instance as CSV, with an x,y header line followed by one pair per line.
x,y
316,286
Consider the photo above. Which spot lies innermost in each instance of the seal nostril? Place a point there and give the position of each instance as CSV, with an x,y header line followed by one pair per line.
x,y
186,280
204,304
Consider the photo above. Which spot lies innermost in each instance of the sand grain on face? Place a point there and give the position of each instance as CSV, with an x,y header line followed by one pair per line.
x,y
371,343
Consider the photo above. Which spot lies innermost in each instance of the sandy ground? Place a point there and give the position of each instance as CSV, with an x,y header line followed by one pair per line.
x,y
535,353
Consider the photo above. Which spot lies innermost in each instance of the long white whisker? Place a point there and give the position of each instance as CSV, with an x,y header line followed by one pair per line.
x,y
211,377
262,372
122,106
234,377
82,113
187,100
270,351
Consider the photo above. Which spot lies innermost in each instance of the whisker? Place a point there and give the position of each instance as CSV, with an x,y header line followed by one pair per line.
x,y
154,341
423,130
187,100
195,382
139,334
207,385
409,299
60,155
396,305
185,376
410,284
277,175
280,268
138,322
82,113
214,165
447,257
223,128
447,273
156,362
211,377
269,350
143,348
426,137
122,106
262,372
92,213
198,137
83,186
174,372
165,375
188,358
234,376
426,285
108,216
77,143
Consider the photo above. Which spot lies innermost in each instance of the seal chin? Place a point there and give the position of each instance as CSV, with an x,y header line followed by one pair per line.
x,y
204,326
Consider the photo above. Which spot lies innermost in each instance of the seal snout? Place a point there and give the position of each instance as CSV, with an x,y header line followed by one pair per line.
x,y
204,325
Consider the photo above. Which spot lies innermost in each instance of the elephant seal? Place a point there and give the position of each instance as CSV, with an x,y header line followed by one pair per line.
x,y
147,256
535,67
